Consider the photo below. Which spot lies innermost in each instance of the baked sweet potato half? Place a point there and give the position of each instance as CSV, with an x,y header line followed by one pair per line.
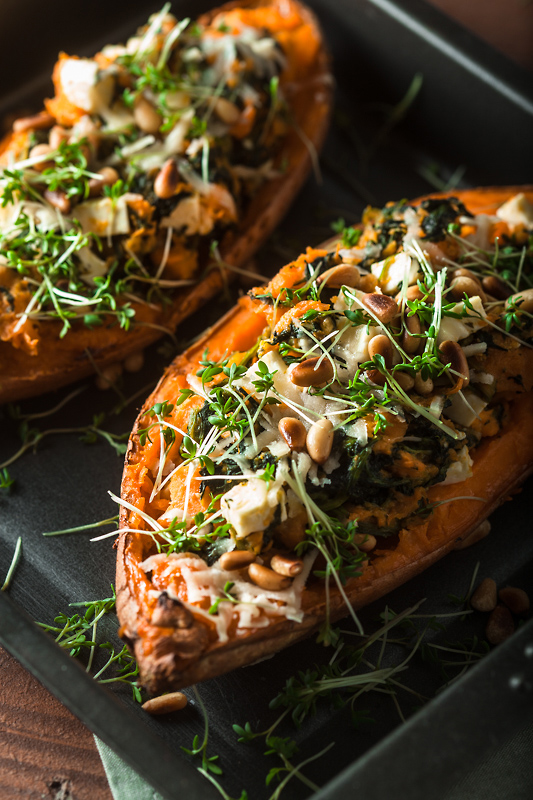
x,y
155,164
335,434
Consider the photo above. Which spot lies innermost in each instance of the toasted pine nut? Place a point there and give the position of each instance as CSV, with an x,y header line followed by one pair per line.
x,y
177,100
452,353
341,275
423,386
485,598
380,345
376,377
383,307
293,431
41,150
59,199
405,380
267,579
515,599
474,536
145,116
285,565
167,180
108,176
495,287
462,285
500,625
134,362
523,300
320,440
36,122
57,135
166,703
364,542
327,325
108,376
227,111
368,282
412,293
413,329
462,272
306,373
236,559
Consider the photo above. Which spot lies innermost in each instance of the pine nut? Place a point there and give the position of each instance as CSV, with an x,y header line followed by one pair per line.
x,y
165,703
145,116
176,101
423,386
515,599
462,272
523,300
383,307
412,293
293,431
405,380
368,282
167,180
413,329
485,598
495,287
375,376
306,373
284,565
463,285
500,625
452,354
341,275
227,111
236,559
59,199
41,150
108,176
320,440
327,325
134,362
36,122
474,536
267,579
380,345
108,376
57,135
365,542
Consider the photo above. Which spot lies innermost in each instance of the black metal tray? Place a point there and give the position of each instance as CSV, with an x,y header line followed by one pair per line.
x,y
474,116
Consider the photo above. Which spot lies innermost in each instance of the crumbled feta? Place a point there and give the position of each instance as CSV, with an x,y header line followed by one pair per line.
x,y
517,211
392,271
85,86
459,470
250,506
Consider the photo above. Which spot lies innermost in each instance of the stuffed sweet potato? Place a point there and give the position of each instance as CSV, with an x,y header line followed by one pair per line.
x,y
335,434
154,164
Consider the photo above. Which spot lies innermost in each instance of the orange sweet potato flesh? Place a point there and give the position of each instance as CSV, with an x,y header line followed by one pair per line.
x,y
308,87
501,464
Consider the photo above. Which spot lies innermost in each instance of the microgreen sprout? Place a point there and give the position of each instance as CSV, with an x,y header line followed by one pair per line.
x,y
14,563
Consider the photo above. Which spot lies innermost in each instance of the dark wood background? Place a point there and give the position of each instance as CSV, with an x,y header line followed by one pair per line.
x,y
45,752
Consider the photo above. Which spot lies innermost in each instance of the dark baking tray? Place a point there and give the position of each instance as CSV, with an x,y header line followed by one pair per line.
x,y
475,112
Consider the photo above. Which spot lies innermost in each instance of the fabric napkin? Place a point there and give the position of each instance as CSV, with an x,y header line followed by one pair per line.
x,y
124,782
504,775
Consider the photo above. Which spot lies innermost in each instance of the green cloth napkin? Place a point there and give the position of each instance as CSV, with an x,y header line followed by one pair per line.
x,y
506,774
124,782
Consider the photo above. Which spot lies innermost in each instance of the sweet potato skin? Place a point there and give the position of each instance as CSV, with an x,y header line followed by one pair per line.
x,y
501,464
63,361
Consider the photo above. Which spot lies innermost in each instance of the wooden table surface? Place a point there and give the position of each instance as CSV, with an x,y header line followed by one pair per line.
x,y
45,752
